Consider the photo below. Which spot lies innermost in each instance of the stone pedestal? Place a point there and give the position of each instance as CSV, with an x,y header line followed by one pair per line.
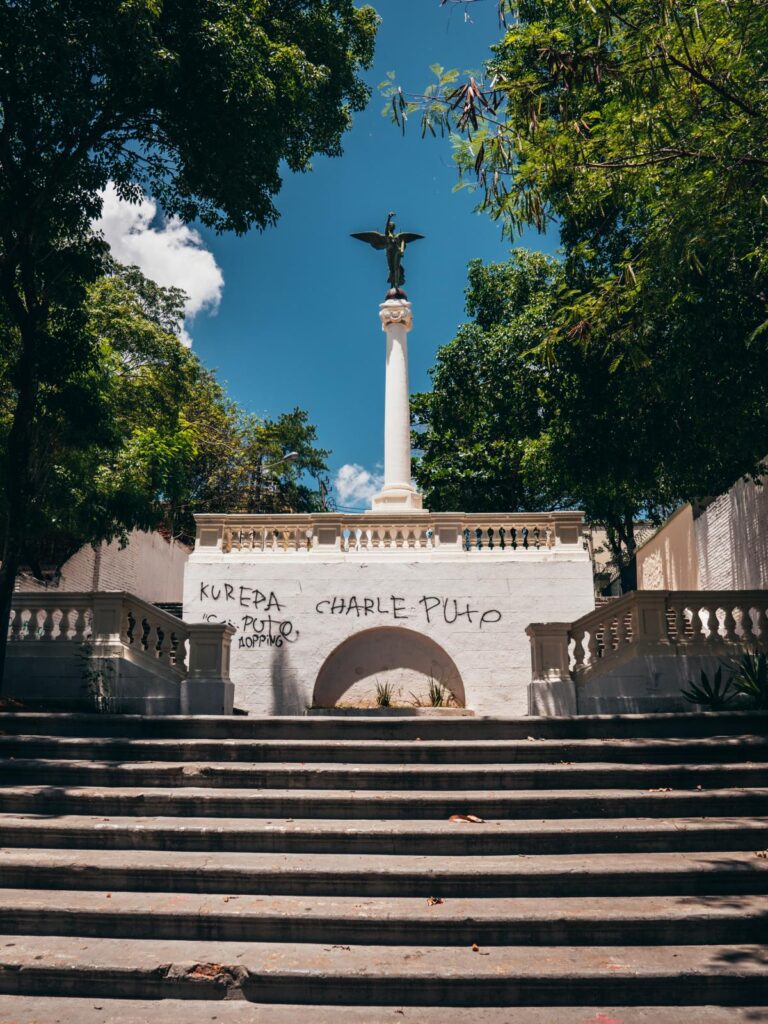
x,y
398,493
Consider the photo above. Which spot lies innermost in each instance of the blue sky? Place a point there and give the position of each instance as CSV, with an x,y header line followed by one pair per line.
x,y
296,306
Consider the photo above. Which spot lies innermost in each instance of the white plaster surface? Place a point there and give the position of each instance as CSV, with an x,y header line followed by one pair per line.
x,y
288,625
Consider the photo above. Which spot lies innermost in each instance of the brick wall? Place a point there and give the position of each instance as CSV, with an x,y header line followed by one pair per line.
x,y
732,539
150,567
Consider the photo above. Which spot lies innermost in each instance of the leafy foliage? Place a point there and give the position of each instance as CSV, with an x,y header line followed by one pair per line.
x,y
507,428
197,102
714,695
750,678
144,436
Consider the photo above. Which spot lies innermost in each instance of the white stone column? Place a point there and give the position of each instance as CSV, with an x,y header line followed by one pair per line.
x,y
397,494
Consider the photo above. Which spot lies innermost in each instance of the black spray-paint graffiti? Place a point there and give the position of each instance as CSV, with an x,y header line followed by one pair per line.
x,y
447,609
261,628
255,631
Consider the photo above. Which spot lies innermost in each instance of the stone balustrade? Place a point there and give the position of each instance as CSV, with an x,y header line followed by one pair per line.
x,y
429,534
648,624
122,629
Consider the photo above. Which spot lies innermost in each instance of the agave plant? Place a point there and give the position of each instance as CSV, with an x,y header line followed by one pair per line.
x,y
714,695
750,678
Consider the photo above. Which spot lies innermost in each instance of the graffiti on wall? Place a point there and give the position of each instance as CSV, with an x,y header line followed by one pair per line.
x,y
261,621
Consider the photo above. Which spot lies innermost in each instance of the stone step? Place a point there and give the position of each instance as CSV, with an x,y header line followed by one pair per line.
x,y
53,1010
708,873
287,803
411,837
396,921
384,728
383,975
318,776
707,750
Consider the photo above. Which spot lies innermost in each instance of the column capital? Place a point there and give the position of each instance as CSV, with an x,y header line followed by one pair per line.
x,y
396,311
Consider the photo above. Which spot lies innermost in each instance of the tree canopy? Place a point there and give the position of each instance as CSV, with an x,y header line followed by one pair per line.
x,y
636,131
507,428
197,102
144,436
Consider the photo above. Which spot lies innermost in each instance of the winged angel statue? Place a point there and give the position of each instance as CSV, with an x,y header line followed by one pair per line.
x,y
394,244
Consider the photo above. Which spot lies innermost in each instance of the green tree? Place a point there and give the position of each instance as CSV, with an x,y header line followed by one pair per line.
x,y
240,463
621,441
194,101
635,129
143,435
472,428
111,438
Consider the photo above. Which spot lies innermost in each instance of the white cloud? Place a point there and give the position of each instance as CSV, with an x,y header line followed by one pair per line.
x,y
172,254
354,485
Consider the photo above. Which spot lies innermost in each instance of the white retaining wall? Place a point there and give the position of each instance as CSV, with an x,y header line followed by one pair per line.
x,y
292,611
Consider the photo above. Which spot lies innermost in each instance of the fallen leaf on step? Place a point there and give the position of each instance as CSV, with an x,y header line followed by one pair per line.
x,y
204,971
467,818
330,949
109,895
531,738
762,853
476,949
433,901
661,789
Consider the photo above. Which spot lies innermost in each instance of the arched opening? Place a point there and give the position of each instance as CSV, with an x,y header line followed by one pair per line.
x,y
407,660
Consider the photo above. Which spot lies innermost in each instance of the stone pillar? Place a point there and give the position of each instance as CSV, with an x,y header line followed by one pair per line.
x,y
397,494
208,690
551,691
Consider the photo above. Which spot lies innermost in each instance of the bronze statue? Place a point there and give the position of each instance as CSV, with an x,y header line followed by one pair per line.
x,y
395,246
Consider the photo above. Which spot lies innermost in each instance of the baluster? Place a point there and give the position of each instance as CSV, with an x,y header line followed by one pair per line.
x,y
579,651
747,626
163,647
44,630
478,538
759,626
513,536
713,623
536,537
695,624
524,534
179,652
729,625
550,538
623,630
144,642
78,625
592,647
65,624
15,627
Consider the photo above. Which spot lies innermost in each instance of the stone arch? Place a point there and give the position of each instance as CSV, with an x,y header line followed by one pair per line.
x,y
389,651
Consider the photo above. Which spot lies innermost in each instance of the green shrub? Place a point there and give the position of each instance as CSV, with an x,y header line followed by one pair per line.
x,y
714,695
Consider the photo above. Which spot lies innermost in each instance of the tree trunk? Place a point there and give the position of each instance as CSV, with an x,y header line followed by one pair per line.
x,y
620,534
19,488
629,568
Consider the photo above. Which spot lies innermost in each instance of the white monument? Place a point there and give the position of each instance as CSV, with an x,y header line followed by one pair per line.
x,y
398,493
328,605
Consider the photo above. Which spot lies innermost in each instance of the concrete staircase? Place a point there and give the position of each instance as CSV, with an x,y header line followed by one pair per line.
x,y
307,870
